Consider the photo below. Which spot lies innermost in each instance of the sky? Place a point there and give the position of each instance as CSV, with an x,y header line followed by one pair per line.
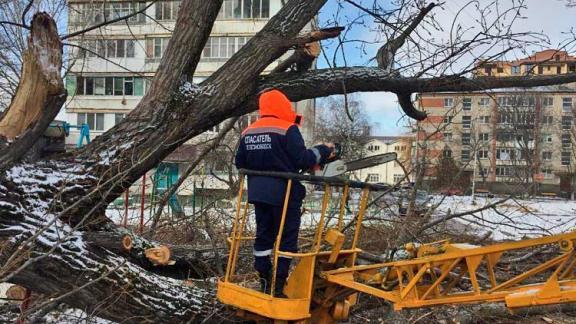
x,y
549,17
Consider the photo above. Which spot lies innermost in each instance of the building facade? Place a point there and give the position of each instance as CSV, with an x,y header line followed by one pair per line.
x,y
507,140
394,172
112,67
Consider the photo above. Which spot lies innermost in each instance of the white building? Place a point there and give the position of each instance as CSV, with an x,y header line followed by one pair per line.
x,y
102,90
112,71
391,172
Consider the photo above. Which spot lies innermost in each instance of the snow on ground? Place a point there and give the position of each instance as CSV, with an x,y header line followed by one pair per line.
x,y
513,219
72,316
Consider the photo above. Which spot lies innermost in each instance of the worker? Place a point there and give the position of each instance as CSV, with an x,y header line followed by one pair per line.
x,y
274,143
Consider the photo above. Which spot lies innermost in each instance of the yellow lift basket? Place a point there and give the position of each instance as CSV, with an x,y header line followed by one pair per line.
x,y
326,279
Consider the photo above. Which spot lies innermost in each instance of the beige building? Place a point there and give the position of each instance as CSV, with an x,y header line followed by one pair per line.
x,y
547,62
505,137
114,65
391,172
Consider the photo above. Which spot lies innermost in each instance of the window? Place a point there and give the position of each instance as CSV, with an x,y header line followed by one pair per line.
x,y
110,86
566,157
109,48
484,172
558,70
483,154
467,103
567,104
373,177
516,70
448,102
500,70
155,47
167,10
547,173
465,155
120,9
504,118
223,47
485,119
503,171
503,136
95,121
505,154
528,68
244,9
547,156
548,101
484,137
372,148
466,121
566,122
448,119
540,69
447,136
466,139
484,101
547,138
92,13
548,120
566,140
118,118
398,178
446,153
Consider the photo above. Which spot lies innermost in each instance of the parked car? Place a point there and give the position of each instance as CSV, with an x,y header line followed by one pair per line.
x,y
483,193
422,203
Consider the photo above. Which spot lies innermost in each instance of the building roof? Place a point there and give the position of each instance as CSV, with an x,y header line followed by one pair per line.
x,y
389,139
546,55
549,55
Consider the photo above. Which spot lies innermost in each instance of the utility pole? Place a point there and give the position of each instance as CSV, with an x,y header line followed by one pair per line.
x,y
475,152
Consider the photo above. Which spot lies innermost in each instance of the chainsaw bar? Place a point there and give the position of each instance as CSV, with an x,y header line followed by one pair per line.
x,y
370,161
339,167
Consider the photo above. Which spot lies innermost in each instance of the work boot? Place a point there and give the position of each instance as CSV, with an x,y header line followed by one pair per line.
x,y
279,288
265,282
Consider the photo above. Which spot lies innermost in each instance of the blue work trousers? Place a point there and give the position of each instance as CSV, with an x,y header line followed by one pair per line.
x,y
268,219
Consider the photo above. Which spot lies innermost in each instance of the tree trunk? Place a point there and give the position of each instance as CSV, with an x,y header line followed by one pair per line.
x,y
40,93
48,208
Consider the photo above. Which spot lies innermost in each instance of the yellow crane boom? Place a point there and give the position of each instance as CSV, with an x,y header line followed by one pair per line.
x,y
326,281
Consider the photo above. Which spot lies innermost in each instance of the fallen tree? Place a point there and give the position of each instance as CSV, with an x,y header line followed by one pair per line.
x,y
49,209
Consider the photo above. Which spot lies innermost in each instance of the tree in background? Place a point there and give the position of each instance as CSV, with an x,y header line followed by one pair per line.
x,y
343,121
57,239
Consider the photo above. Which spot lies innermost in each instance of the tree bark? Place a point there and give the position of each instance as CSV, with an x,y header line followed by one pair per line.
x,y
40,93
48,208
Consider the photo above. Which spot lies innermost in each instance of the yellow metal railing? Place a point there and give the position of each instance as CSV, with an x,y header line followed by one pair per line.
x,y
238,235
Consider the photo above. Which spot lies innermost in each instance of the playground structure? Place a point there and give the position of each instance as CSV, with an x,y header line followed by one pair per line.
x,y
326,281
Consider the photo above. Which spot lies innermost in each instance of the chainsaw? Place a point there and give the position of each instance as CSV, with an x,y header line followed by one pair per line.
x,y
335,166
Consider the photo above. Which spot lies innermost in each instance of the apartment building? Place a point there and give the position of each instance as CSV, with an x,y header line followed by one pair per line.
x,y
509,139
113,66
391,172
547,62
